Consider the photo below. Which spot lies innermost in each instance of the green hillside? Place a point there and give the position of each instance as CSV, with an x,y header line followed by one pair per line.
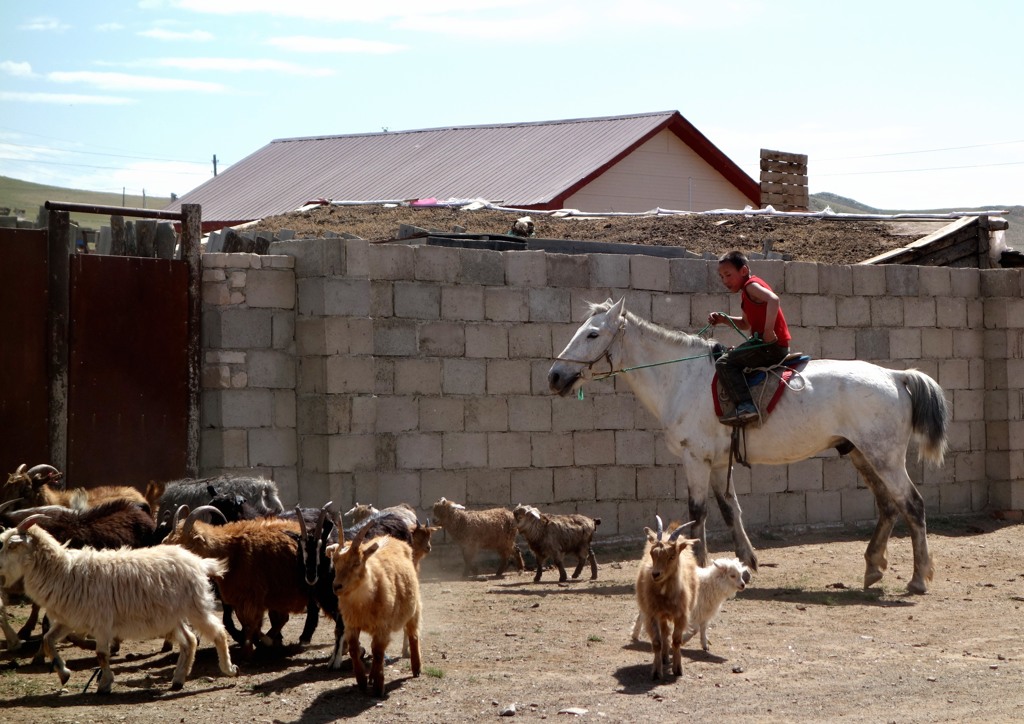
x,y
24,199
842,205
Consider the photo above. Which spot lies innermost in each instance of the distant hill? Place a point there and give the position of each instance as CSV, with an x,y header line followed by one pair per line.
x,y
24,198
843,205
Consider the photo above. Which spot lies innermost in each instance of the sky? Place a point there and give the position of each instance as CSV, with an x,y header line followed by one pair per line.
x,y
900,104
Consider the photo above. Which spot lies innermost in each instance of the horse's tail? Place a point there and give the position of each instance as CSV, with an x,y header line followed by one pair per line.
x,y
929,414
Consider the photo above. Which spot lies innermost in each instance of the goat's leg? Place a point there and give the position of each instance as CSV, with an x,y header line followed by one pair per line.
x,y
275,635
355,653
517,558
312,619
186,655
560,565
637,626
207,625
593,563
51,638
412,633
106,680
30,625
13,642
581,560
677,645
468,554
377,646
334,663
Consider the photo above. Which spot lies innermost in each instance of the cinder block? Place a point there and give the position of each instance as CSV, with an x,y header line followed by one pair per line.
x,y
787,508
442,339
508,377
488,489
1000,283
418,451
345,375
504,304
437,264
347,453
530,340
801,278
549,305
417,376
839,343
656,483
614,412
609,271
672,311
529,413
551,450
902,280
616,483
526,268
486,414
835,280
688,276
417,300
905,344
938,344
594,448
769,479
464,376
965,282
568,270
858,506
886,312
464,450
868,280
487,340
463,303
935,281
532,484
950,311
649,272
509,450
392,261
270,368
432,485
270,288
954,374
395,337
246,408
634,447
805,475
919,312
823,506
346,297
817,311
441,414
273,447
481,266
853,312
573,484
968,405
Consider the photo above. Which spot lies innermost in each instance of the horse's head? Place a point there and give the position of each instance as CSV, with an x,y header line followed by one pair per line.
x,y
588,346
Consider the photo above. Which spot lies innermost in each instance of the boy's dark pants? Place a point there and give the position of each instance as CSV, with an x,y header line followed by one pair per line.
x,y
752,353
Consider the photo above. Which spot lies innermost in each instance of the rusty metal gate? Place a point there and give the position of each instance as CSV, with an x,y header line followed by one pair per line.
x,y
100,362
24,388
127,370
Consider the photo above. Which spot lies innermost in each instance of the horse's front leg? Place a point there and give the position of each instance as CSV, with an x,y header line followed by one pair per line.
x,y
729,504
698,474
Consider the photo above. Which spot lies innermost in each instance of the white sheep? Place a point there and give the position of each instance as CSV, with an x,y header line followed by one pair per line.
x,y
715,583
119,594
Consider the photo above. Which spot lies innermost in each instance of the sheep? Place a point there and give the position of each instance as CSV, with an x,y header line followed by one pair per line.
x,y
260,492
715,583
666,586
43,485
361,511
493,529
552,536
115,594
378,592
262,573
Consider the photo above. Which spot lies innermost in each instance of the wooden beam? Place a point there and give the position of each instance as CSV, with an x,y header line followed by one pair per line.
x,y
60,245
191,253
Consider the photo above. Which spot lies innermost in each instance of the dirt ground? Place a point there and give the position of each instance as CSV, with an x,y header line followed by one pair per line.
x,y
798,238
803,643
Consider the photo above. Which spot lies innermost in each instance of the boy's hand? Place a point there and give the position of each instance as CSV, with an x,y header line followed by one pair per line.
x,y
714,318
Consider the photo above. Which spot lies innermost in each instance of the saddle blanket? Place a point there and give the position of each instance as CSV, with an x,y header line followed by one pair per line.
x,y
760,385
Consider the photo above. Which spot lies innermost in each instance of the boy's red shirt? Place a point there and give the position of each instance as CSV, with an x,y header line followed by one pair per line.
x,y
755,313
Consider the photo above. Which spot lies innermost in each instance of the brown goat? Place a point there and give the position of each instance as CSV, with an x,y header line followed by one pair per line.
x,y
666,587
552,536
262,575
378,592
493,529
41,485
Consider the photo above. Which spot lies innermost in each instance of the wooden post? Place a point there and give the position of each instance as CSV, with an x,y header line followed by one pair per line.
x,y
191,253
59,242
784,181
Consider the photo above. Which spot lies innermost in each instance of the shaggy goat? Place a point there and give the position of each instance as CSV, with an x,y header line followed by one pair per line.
x,y
715,583
121,594
259,492
378,592
262,573
43,485
359,512
493,529
666,586
552,536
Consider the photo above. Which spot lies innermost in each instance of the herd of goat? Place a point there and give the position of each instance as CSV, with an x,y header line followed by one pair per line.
x,y
115,564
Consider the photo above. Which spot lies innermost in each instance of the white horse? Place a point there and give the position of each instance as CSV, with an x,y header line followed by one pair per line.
x,y
868,411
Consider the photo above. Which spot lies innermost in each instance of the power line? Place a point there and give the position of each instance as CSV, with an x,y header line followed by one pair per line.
x,y
85,165
916,170
929,150
94,153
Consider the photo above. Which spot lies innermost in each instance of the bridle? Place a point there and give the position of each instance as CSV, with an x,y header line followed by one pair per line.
x,y
603,355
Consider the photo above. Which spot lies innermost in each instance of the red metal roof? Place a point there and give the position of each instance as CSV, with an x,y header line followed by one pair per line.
x,y
525,165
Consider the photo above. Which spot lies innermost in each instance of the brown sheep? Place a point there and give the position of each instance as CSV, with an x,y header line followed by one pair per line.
x,y
493,529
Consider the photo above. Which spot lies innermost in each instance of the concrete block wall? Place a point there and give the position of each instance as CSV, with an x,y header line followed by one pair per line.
x,y
415,372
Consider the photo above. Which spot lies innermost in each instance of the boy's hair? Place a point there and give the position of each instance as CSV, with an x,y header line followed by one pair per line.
x,y
737,258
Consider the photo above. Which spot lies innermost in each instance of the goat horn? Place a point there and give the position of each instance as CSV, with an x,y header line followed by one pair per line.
x,y
362,534
661,526
8,504
45,473
182,510
320,520
677,531
30,521
303,533
191,519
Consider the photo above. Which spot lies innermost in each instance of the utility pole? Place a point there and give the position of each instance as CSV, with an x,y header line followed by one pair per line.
x,y
214,164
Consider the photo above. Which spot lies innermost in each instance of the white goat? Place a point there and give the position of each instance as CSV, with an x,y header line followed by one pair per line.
x,y
378,592
116,594
715,583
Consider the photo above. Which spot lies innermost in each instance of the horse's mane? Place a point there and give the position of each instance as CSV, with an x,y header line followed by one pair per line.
x,y
645,326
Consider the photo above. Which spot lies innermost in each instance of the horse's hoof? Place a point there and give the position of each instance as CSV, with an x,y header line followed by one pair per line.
x,y
917,588
871,578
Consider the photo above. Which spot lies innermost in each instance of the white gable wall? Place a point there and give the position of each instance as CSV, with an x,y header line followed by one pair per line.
x,y
664,172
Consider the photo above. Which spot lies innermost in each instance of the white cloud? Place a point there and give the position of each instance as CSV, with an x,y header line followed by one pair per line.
x,y
309,44
332,10
237,65
20,70
126,82
161,34
47,24
109,27
64,99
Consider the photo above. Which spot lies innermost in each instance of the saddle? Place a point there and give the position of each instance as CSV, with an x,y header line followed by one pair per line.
x,y
766,386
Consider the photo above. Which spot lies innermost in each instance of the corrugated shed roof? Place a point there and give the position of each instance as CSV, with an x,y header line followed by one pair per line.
x,y
528,165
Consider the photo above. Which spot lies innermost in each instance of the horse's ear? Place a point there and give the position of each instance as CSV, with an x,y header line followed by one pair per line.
x,y
617,309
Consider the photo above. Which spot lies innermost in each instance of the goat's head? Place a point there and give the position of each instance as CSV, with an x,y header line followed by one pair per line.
x,y
421,539
313,543
665,553
15,546
350,561
185,531
734,570
27,484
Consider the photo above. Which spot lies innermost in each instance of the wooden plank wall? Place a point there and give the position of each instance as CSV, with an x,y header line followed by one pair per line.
x,y
784,181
